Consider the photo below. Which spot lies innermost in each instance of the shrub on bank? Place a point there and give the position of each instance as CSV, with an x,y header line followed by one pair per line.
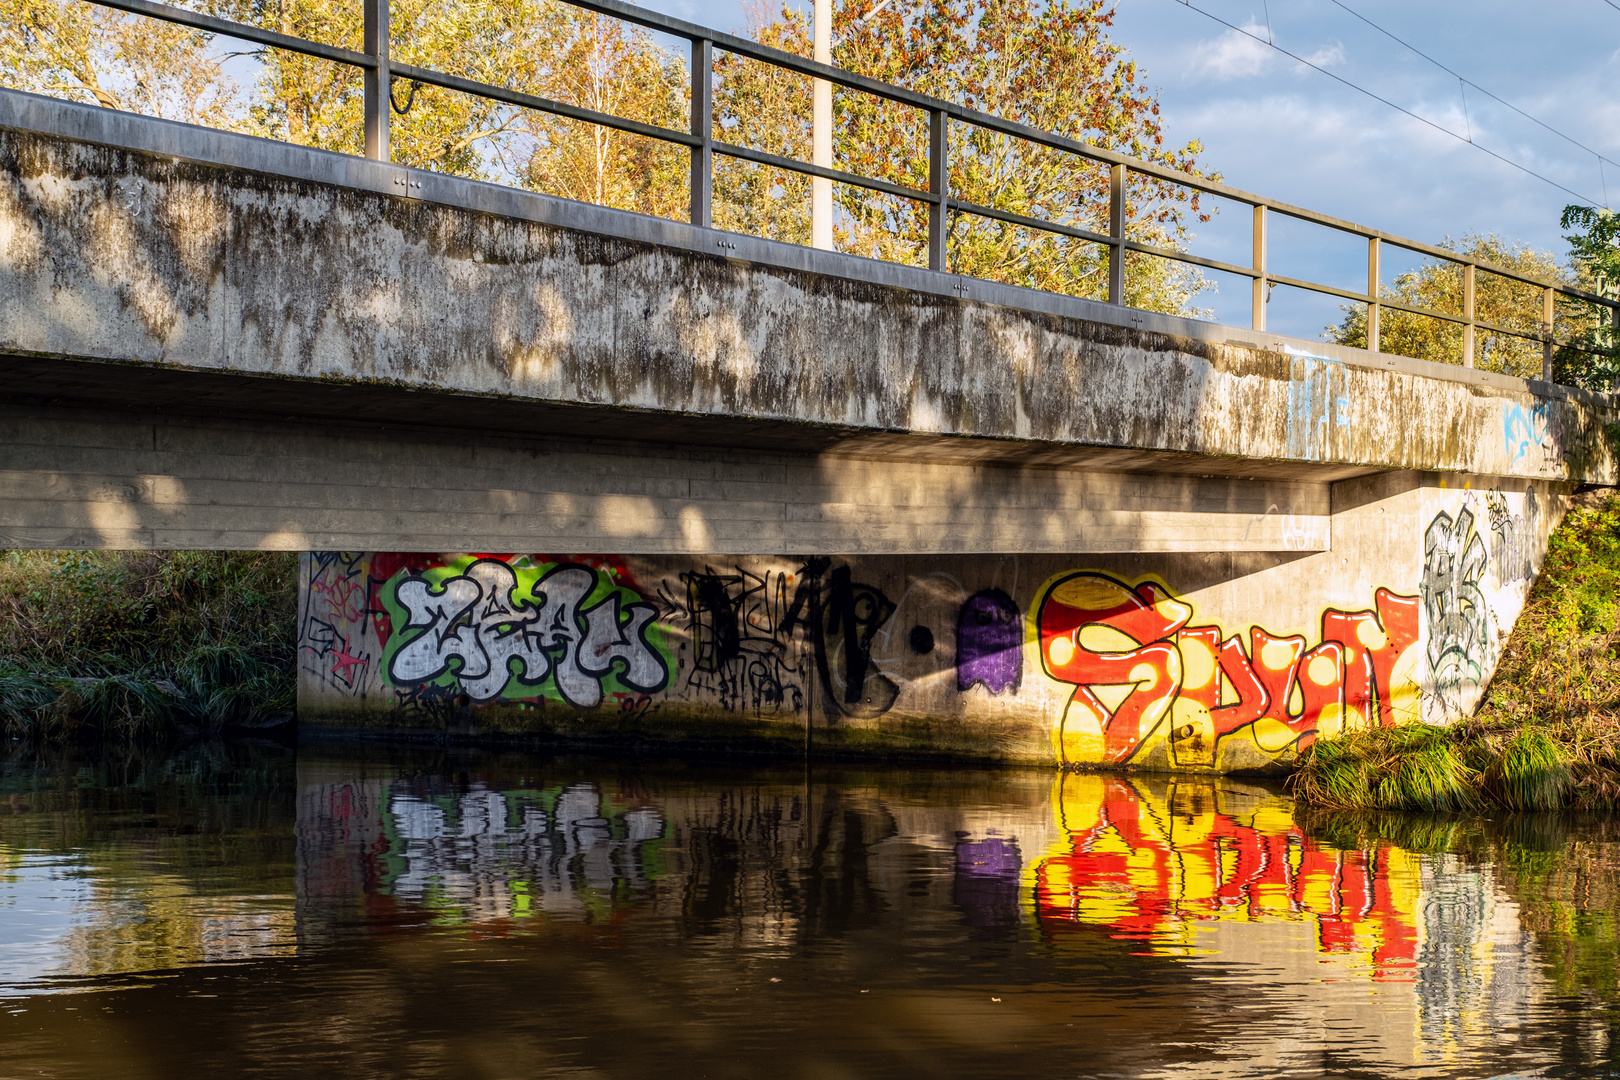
x,y
134,644
1548,732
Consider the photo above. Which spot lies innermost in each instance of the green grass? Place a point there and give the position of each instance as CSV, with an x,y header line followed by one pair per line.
x,y
1547,735
131,645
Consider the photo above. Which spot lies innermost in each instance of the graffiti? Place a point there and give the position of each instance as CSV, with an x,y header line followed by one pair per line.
x,y
1525,430
335,599
496,631
1142,675
1156,871
842,617
989,643
738,651
1458,620
1514,538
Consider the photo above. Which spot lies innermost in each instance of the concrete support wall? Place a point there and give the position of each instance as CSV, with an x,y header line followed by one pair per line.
x,y
1217,661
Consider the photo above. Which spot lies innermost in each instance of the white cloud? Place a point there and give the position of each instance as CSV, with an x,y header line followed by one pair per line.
x,y
1236,55
1244,54
1326,56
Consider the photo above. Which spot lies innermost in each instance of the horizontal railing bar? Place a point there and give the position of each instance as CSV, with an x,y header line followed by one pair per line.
x,y
1028,222
1328,290
779,58
530,101
243,31
1196,260
836,175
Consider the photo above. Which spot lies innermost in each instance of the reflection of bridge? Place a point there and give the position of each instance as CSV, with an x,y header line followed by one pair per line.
x,y
220,341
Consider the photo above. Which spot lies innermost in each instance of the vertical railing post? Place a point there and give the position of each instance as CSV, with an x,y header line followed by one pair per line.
x,y
821,214
1468,313
938,186
1257,310
702,212
1116,234
1614,346
1547,330
377,85
1374,283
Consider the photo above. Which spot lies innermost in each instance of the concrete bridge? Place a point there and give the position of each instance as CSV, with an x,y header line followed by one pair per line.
x,y
742,492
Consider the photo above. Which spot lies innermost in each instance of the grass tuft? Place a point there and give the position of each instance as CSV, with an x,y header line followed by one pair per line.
x,y
136,645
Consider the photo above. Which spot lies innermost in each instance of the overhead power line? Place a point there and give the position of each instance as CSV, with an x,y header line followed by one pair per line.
x,y
1385,101
1470,82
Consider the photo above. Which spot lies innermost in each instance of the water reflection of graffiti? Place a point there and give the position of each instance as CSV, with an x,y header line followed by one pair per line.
x,y
1514,537
493,854
498,631
990,643
987,882
1157,870
1141,673
1461,644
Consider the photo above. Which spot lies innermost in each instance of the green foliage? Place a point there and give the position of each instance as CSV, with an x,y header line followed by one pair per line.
x,y
1547,735
133,644
1438,286
1593,358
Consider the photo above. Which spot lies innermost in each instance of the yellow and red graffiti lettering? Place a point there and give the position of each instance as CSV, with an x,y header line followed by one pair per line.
x,y
1142,675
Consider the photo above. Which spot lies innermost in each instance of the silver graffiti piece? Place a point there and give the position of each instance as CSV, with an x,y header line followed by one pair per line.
x,y
1461,645
475,618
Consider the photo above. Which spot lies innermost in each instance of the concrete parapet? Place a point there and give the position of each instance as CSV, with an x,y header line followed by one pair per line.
x,y
131,240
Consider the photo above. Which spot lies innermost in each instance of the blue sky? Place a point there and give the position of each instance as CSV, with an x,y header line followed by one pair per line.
x,y
1278,128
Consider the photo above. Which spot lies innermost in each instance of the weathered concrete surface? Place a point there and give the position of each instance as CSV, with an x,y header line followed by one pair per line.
x,y
110,254
1220,661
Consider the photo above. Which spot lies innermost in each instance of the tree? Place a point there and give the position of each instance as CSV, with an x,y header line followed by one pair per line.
x,y
1050,66
1439,287
1593,357
94,54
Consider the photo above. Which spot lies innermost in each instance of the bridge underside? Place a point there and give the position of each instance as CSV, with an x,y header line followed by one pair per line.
x,y
133,456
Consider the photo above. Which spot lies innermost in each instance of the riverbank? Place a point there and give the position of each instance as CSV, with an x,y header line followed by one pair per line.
x,y
133,644
1547,735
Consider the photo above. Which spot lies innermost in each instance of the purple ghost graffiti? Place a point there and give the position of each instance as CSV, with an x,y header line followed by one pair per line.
x,y
989,643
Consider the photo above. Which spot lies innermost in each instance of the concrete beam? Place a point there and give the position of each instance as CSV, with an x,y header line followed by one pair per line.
x,y
80,478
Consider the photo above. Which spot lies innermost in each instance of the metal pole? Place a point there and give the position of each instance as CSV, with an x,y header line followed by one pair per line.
x,y
1116,232
821,225
1468,313
1614,345
1374,251
1547,329
1257,314
377,83
703,127
938,186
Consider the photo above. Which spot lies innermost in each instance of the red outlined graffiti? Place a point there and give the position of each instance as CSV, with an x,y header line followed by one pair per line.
x,y
1142,676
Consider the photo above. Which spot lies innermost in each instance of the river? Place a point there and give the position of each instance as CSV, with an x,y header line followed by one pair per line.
x,y
368,911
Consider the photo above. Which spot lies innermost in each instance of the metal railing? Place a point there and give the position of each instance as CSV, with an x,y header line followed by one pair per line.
x,y
379,72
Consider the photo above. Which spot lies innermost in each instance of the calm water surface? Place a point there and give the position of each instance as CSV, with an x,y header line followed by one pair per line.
x,y
251,911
